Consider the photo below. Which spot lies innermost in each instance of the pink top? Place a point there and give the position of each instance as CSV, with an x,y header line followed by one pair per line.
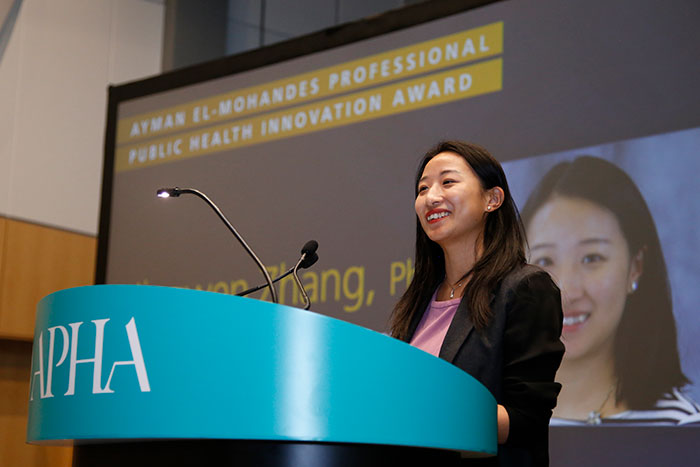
x,y
432,329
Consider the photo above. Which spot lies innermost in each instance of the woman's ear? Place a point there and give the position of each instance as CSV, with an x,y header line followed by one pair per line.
x,y
636,270
494,198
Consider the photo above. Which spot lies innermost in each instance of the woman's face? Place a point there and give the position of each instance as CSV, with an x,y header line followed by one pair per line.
x,y
582,246
451,203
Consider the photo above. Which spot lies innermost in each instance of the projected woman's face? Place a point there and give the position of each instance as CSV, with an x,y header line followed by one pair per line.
x,y
582,246
451,203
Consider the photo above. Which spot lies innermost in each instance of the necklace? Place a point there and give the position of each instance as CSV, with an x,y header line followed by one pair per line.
x,y
594,416
453,287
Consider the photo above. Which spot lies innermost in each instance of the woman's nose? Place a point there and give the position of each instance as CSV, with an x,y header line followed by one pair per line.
x,y
434,196
571,284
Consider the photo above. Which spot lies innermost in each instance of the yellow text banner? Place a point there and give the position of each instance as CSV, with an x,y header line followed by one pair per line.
x,y
426,91
424,57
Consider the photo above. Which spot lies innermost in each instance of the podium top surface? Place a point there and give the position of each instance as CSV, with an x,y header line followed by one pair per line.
x,y
126,362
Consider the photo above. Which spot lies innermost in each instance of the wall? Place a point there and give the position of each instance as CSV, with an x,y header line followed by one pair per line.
x,y
194,35
54,73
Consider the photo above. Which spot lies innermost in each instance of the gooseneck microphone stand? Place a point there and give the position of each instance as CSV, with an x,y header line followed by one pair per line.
x,y
176,192
305,296
308,258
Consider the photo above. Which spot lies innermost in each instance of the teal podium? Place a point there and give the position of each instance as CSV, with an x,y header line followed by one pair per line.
x,y
137,374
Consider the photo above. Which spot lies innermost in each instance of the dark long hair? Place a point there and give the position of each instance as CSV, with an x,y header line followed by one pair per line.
x,y
503,239
646,356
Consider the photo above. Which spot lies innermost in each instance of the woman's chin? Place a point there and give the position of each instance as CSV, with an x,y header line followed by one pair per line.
x,y
447,237
575,348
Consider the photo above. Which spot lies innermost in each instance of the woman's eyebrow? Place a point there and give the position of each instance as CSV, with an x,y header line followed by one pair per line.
x,y
441,174
589,241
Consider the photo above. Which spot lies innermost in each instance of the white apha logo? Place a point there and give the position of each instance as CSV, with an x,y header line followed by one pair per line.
x,y
45,372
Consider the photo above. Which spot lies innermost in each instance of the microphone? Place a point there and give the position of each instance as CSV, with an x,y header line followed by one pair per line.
x,y
308,252
176,192
308,259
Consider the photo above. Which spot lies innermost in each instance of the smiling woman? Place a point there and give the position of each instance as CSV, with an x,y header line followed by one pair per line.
x,y
475,303
589,226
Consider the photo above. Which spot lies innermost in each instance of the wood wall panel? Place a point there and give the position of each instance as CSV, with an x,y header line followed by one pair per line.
x,y
36,261
15,361
3,225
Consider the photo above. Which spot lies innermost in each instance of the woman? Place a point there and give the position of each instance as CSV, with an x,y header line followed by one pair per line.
x,y
474,302
589,226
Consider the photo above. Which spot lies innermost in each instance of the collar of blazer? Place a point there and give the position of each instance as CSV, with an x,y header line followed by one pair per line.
x,y
459,330
462,326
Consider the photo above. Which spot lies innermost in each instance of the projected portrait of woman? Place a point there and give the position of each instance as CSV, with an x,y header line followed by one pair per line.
x,y
590,228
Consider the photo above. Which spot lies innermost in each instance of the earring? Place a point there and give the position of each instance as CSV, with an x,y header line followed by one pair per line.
x,y
488,208
635,285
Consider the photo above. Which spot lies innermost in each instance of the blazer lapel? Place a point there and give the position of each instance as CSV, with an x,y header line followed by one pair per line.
x,y
460,328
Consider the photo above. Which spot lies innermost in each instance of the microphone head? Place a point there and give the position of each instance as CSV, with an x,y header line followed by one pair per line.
x,y
168,192
309,261
310,247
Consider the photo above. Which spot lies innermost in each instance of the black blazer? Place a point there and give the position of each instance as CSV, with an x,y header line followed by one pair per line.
x,y
516,357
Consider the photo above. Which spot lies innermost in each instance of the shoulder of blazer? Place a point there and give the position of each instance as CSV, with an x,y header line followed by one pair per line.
x,y
513,280
517,275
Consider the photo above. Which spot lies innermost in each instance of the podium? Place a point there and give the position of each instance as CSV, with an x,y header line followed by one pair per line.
x,y
145,375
